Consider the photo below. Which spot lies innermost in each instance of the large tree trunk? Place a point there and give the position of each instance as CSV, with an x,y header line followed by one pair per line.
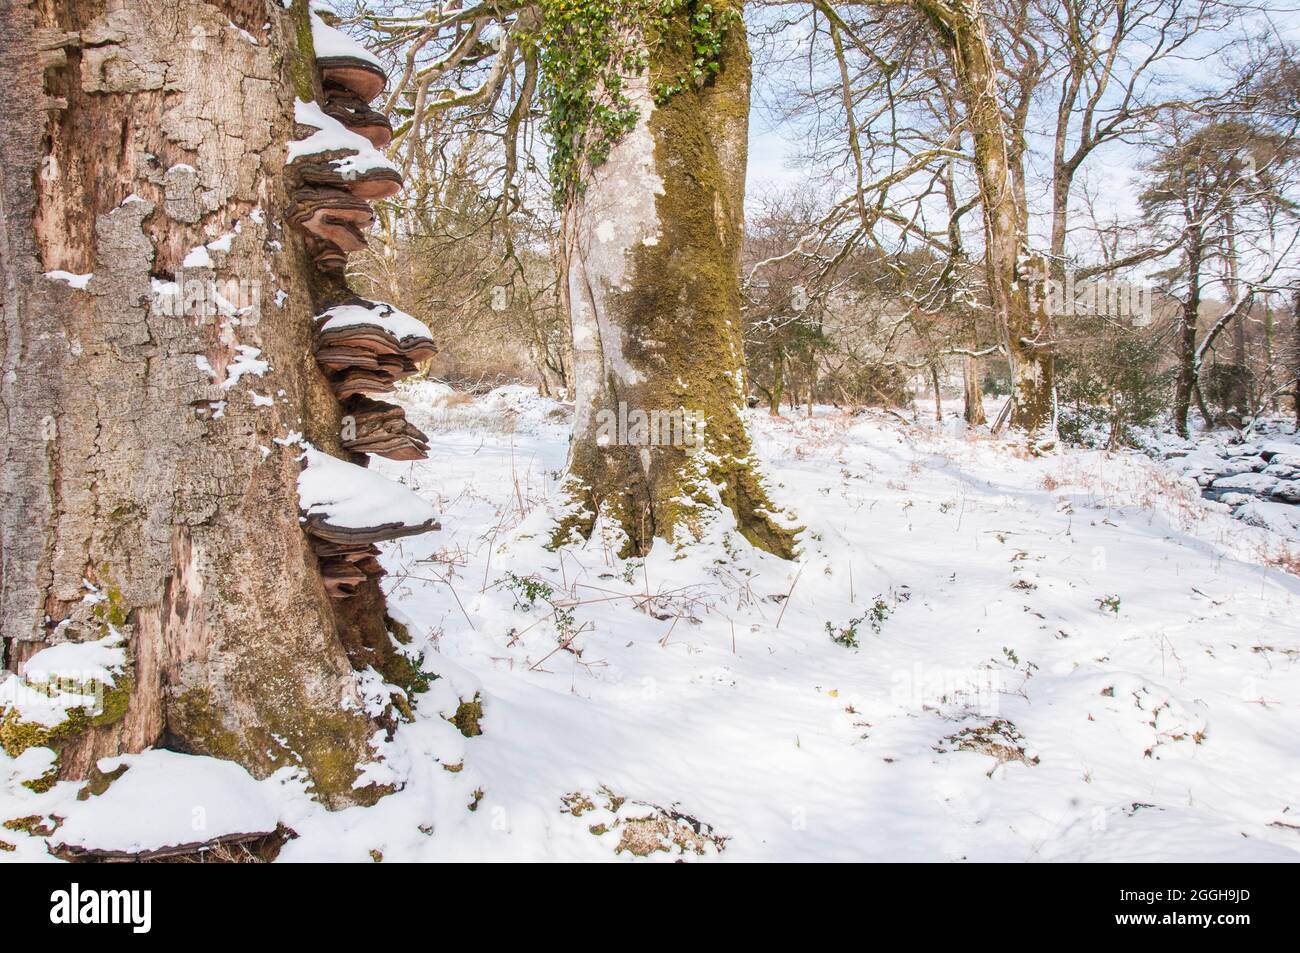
x,y
652,255
1188,369
1239,390
134,132
1013,275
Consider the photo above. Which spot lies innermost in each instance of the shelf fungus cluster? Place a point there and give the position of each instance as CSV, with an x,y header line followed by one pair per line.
x,y
347,510
366,347
363,347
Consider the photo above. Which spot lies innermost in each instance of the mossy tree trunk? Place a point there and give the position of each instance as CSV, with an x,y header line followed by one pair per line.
x,y
652,257
1014,277
134,132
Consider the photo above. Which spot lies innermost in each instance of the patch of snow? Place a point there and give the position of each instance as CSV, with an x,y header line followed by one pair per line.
x,y
331,42
166,799
1073,658
350,496
248,362
63,677
333,136
397,323
75,281
100,660
197,258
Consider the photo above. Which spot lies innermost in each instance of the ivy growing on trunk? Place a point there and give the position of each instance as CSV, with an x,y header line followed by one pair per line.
x,y
589,48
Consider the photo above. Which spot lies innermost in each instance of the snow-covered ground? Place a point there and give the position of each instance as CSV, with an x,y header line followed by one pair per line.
x,y
979,656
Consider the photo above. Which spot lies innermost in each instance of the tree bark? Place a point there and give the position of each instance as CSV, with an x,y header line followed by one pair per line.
x,y
136,459
1013,275
652,256
1187,371
1295,355
1239,398
970,378
778,384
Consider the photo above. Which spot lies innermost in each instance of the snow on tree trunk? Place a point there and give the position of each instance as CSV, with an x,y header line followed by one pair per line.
x,y
652,253
150,466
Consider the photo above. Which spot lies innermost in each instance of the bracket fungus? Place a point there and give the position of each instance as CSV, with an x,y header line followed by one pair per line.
x,y
346,509
334,171
378,427
345,63
366,347
355,115
332,215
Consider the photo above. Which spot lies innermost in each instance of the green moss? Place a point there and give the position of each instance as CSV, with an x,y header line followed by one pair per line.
x,y
195,719
398,631
402,707
399,669
405,673
111,615
578,519
467,717
302,61
45,781
16,735
112,611
590,48
32,824
117,699
697,31
99,781
290,732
